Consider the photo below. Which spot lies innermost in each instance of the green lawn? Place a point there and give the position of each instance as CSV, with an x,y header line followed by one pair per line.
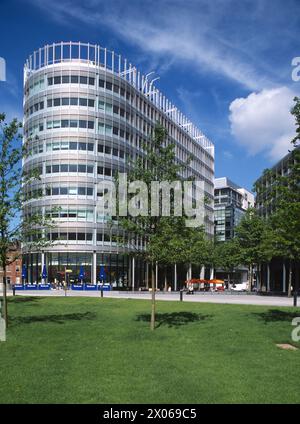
x,y
85,350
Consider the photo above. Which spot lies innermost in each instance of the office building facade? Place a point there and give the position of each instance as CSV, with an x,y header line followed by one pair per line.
x,y
87,113
274,275
230,204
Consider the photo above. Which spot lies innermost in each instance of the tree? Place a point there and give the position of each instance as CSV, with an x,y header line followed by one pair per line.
x,y
227,255
253,241
16,226
281,197
158,163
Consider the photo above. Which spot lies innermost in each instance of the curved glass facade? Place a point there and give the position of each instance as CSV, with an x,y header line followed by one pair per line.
x,y
87,112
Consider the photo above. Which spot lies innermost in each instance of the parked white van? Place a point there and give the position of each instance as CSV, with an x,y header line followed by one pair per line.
x,y
240,286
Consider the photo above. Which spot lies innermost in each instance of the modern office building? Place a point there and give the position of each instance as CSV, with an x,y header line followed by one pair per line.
x,y
231,201
87,112
274,275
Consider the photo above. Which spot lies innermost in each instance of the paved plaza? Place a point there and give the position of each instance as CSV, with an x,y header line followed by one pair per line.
x,y
234,298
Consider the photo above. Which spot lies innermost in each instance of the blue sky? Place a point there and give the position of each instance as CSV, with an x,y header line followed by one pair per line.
x,y
226,64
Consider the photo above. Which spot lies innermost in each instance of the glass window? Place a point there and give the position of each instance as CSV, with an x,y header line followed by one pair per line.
x,y
56,124
81,146
100,148
55,191
57,80
74,79
49,103
91,102
101,83
83,80
90,169
89,236
81,168
72,236
91,125
81,214
89,191
81,191
101,128
72,190
108,85
82,102
73,124
101,105
73,145
72,213
82,124
65,101
50,81
65,79
65,123
107,150
64,191
90,147
108,108
115,152
55,168
64,145
56,102
48,169
108,129
64,167
72,168
116,110
91,81
81,236
73,101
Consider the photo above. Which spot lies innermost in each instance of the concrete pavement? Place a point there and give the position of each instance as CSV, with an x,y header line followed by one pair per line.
x,y
227,298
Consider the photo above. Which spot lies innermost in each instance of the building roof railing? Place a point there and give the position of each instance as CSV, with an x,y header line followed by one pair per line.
x,y
106,59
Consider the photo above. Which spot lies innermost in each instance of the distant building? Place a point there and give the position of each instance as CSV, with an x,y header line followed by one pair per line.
x,y
274,276
13,270
231,203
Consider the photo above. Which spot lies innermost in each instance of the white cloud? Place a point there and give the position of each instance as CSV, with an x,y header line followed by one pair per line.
x,y
191,33
227,154
262,122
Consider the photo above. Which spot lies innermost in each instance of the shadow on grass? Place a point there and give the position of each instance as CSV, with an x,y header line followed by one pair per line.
x,y
174,319
23,299
58,319
275,315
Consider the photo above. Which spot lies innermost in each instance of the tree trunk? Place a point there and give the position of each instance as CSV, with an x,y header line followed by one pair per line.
x,y
296,287
290,279
250,277
5,314
152,323
166,288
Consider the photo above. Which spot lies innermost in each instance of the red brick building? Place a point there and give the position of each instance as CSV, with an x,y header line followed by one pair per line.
x,y
14,270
